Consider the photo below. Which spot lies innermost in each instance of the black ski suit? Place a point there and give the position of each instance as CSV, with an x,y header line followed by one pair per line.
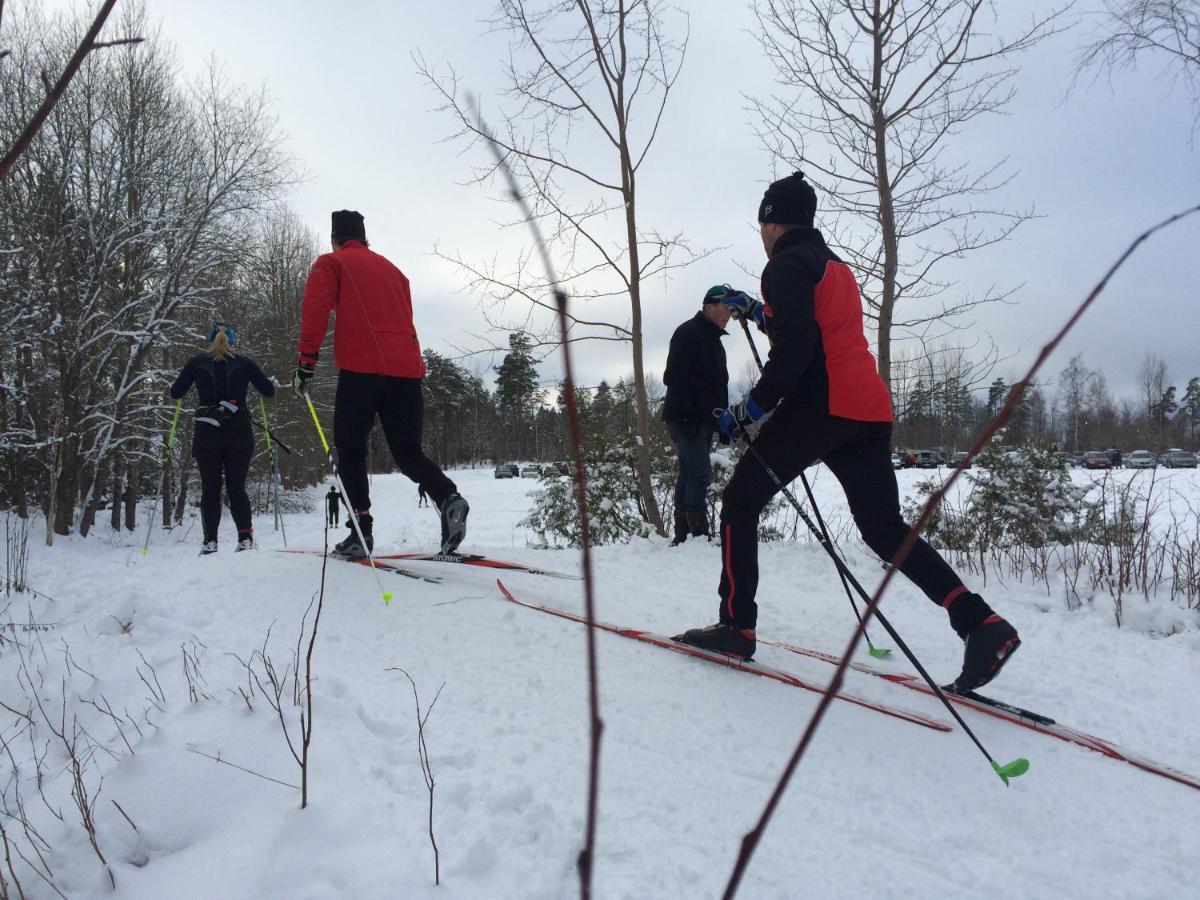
x,y
830,405
222,441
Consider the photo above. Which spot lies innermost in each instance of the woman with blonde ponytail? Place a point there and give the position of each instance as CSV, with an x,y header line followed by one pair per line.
x,y
222,441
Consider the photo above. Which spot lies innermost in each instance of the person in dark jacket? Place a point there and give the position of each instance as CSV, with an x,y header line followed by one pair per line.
x,y
222,441
828,403
380,367
697,383
333,500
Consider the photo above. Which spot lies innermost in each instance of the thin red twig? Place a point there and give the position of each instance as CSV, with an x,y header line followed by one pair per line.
x,y
586,859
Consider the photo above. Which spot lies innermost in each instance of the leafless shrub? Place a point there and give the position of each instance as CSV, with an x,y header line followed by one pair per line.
x,y
149,678
220,759
274,685
426,768
16,553
1138,539
191,670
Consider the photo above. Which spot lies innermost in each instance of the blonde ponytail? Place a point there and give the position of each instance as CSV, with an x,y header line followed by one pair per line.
x,y
220,348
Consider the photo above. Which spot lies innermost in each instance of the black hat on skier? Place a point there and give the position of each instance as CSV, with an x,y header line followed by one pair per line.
x,y
348,226
789,201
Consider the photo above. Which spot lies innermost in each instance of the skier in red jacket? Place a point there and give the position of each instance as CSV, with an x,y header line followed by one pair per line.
x,y
828,403
380,368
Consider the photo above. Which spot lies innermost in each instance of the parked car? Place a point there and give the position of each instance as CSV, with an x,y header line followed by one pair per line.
x,y
1114,456
897,461
507,470
926,459
1076,458
1179,459
1096,459
531,472
959,460
1141,459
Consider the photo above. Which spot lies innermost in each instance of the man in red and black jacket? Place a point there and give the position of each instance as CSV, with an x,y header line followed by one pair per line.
x,y
380,369
827,402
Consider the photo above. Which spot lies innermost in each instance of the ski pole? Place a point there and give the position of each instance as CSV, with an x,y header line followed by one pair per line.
x,y
877,652
387,595
166,456
276,480
1018,766
273,436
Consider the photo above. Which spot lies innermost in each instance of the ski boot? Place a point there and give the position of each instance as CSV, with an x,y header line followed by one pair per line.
x,y
697,523
454,511
681,527
245,541
208,547
352,548
988,647
722,638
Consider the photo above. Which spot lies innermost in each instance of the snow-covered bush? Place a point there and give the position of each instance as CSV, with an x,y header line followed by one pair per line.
x,y
614,505
1024,498
617,513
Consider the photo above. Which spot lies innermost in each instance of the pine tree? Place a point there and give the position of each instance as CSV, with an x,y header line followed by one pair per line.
x,y
517,392
1189,409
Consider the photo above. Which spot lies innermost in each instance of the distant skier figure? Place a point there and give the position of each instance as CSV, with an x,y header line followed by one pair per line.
x,y
222,442
380,367
829,404
333,500
422,496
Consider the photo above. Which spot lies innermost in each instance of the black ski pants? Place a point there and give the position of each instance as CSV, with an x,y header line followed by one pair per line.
x,y
859,456
228,464
401,409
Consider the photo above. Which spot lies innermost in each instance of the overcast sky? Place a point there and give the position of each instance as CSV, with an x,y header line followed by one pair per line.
x,y
1099,163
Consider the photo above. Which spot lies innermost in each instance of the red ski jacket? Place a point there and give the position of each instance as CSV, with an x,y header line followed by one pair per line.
x,y
373,328
819,355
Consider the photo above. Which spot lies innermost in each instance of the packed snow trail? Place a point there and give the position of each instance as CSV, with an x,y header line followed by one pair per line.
x,y
690,750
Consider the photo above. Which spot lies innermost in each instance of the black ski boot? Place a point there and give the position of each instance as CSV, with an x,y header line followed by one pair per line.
x,y
681,527
988,647
352,548
245,541
454,511
723,638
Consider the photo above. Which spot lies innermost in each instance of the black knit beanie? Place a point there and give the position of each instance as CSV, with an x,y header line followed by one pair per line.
x,y
789,201
348,226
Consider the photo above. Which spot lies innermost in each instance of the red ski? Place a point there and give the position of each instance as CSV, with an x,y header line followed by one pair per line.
x,y
1009,713
379,564
474,559
731,662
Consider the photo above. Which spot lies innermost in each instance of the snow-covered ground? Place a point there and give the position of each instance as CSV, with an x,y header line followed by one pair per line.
x,y
691,751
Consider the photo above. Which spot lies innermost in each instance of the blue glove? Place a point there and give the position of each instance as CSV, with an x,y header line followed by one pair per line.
x,y
734,421
744,306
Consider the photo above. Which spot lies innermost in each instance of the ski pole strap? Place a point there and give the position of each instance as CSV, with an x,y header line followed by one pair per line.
x,y
320,431
262,407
